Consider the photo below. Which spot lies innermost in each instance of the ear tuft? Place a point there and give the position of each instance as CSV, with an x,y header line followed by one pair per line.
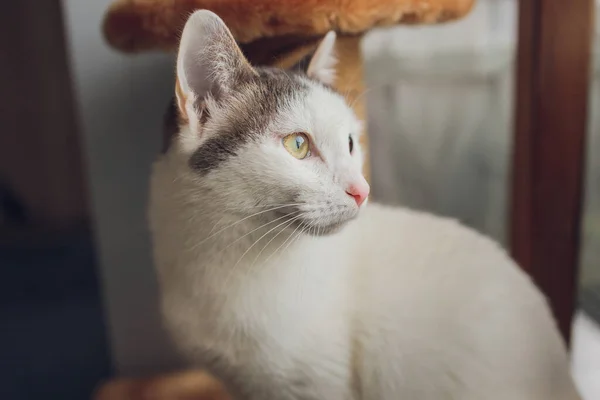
x,y
322,64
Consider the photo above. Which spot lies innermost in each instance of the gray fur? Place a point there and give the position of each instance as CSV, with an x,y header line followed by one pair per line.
x,y
249,108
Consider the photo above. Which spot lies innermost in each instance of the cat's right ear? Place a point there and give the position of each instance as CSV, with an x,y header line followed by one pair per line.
x,y
320,65
209,62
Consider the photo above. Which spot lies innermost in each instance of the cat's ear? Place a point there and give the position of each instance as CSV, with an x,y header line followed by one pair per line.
x,y
321,65
209,61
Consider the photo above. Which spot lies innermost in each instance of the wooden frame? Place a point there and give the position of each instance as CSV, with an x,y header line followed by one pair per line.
x,y
548,166
40,144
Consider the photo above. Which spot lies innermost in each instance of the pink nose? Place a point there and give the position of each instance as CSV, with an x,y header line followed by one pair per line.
x,y
360,192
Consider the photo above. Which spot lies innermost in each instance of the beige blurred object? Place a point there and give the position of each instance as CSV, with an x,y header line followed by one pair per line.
x,y
190,385
140,25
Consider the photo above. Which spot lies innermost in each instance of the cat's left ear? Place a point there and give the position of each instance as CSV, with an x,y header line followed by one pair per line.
x,y
209,62
321,65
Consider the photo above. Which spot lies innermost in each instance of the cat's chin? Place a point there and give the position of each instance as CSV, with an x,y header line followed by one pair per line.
x,y
323,229
329,230
317,221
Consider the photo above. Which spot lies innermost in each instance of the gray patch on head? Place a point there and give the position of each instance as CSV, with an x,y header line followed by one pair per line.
x,y
257,100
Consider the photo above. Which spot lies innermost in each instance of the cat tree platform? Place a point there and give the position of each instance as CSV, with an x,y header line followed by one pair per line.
x,y
270,32
140,25
279,32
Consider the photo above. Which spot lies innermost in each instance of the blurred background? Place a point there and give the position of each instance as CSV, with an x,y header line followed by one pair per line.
x,y
80,125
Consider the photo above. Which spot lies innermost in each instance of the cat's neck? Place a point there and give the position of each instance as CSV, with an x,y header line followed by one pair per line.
x,y
198,234
227,242
235,235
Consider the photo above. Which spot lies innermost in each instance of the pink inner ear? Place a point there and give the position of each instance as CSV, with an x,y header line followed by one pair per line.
x,y
181,99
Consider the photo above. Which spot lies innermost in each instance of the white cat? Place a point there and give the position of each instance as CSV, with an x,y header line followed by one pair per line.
x,y
272,280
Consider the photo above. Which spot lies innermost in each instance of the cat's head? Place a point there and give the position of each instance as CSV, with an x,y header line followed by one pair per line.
x,y
259,138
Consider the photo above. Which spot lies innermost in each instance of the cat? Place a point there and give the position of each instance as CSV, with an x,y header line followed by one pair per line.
x,y
279,277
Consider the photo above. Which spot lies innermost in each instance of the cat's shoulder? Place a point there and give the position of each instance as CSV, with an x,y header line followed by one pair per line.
x,y
426,232
386,216
410,245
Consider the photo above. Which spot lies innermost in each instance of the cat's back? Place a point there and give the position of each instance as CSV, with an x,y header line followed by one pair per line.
x,y
408,240
439,294
435,262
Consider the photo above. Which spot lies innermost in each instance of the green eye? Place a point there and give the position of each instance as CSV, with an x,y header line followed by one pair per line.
x,y
297,145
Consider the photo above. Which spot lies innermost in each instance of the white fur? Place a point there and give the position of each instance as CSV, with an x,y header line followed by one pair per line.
x,y
398,305
395,305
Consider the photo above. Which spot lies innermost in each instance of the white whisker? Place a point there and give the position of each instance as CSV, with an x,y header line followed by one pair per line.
x,y
290,222
303,267
281,245
286,241
260,227
242,220
233,269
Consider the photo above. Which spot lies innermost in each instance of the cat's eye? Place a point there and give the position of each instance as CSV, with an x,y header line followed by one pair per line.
x,y
297,145
350,143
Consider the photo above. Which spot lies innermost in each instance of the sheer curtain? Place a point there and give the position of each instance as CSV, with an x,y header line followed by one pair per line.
x,y
440,115
441,106
590,239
